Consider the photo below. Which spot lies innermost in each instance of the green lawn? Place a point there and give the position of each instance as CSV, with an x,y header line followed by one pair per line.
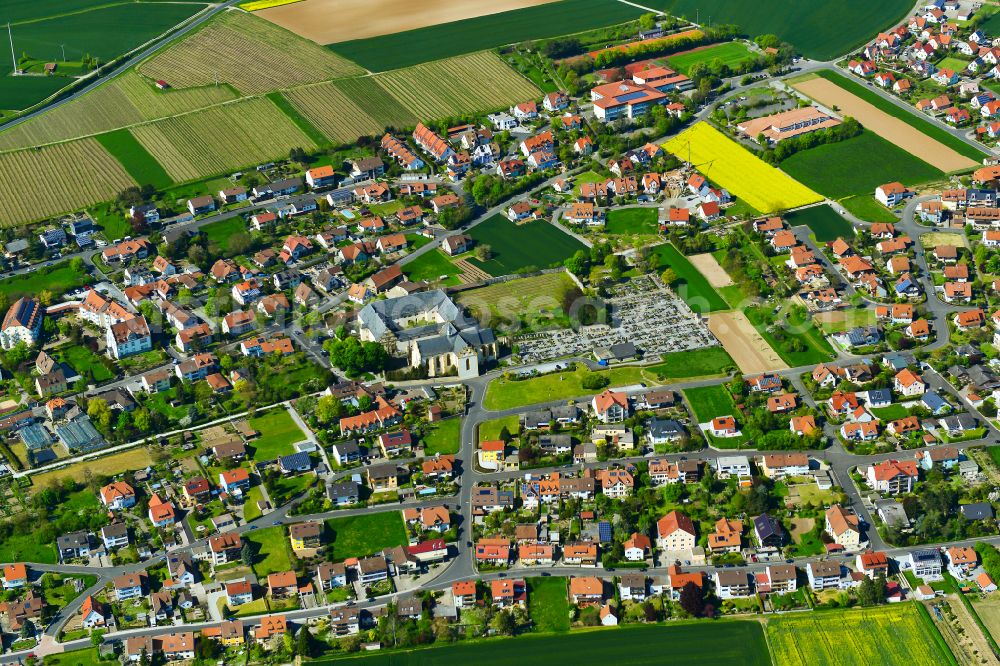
x,y
993,451
417,241
953,63
817,29
250,510
360,536
797,331
85,657
857,166
443,437
911,117
693,363
219,233
724,643
548,604
271,546
278,432
891,413
491,429
135,158
57,279
507,393
825,223
626,221
26,548
865,207
432,266
85,362
730,53
690,285
586,177
522,247
709,402
485,32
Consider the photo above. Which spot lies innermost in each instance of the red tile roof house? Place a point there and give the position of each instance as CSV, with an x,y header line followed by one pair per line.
x,y
610,406
893,476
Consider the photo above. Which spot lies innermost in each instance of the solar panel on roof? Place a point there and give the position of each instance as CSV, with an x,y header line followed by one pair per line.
x,y
628,97
604,531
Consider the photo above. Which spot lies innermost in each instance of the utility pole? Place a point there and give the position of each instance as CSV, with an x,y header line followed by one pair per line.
x,y
13,58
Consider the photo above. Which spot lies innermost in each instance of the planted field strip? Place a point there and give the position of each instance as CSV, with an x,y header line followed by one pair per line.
x,y
890,635
471,273
221,139
385,109
723,161
42,182
466,84
894,130
253,55
333,113
125,100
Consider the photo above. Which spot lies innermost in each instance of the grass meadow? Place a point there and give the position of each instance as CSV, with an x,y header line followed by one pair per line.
x,y
518,247
730,53
825,223
709,402
360,536
690,285
135,158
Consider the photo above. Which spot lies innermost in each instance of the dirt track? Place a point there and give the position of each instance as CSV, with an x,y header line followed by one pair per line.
x,y
892,129
330,21
710,268
738,336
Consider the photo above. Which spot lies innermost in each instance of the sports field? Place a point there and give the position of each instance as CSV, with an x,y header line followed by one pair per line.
x,y
815,28
247,52
625,221
823,221
221,139
709,402
125,100
359,536
725,162
564,17
727,643
857,166
690,284
517,247
730,53
103,32
36,184
328,21
136,159
891,635
905,128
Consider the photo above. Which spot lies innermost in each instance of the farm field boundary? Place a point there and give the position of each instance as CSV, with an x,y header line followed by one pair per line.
x,y
135,158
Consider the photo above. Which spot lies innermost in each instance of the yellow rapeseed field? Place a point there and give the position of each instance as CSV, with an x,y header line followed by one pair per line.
x,y
728,164
257,5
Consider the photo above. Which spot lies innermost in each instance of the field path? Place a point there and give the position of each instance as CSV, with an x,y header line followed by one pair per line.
x,y
747,347
892,129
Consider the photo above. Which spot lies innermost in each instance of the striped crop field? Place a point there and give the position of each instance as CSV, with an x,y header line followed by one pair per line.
x,y
42,182
385,109
221,139
730,165
333,113
464,84
125,100
251,54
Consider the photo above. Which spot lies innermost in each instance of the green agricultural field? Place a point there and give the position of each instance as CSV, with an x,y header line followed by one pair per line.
x,y
825,223
57,279
359,536
278,432
104,32
136,159
690,285
797,341
300,121
443,437
693,363
727,643
857,166
384,109
894,635
911,118
730,53
817,29
865,207
626,221
271,548
485,32
548,604
519,247
432,266
709,402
